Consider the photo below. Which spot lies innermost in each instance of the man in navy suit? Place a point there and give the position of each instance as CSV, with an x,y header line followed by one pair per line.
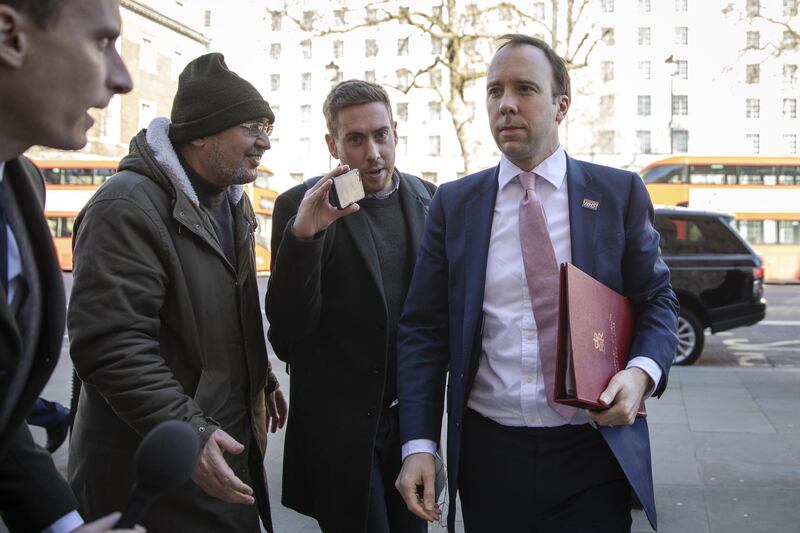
x,y
519,461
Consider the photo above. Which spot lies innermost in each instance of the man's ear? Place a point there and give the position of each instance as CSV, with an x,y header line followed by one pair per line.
x,y
331,142
13,36
563,106
198,143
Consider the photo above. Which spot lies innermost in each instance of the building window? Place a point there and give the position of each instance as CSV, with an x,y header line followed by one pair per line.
x,y
790,74
305,114
433,177
680,104
338,49
789,108
644,36
434,110
147,112
402,80
305,46
402,111
276,110
435,77
605,141
370,48
753,8
682,69
681,5
207,18
435,144
789,39
369,75
436,11
538,10
644,6
754,141
789,8
753,108
308,20
372,14
643,103
608,36
470,107
306,81
402,47
177,64
276,21
753,39
753,73
148,55
402,145
297,176
275,50
607,70
339,16
275,82
607,104
436,46
680,141
111,123
790,142
643,139
607,6
681,35
644,69
305,145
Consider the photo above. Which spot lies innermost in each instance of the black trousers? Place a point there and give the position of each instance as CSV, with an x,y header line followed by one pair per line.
x,y
387,511
540,480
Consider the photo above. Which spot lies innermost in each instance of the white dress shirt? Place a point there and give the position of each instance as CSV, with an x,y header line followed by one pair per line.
x,y
509,384
14,261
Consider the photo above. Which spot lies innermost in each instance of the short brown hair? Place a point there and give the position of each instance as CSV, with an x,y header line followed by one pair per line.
x,y
561,83
41,11
349,93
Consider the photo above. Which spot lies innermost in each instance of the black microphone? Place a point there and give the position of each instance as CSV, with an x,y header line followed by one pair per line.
x,y
164,460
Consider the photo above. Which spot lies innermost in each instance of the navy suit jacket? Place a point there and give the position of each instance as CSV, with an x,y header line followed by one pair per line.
x,y
440,327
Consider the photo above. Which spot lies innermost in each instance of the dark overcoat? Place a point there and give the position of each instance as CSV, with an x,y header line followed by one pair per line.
x,y
163,327
328,320
33,494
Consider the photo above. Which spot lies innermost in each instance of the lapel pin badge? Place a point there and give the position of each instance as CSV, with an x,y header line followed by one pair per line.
x,y
590,204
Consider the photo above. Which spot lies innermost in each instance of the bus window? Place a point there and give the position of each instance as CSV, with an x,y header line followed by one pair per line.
x,y
708,174
788,175
61,226
757,175
102,174
665,174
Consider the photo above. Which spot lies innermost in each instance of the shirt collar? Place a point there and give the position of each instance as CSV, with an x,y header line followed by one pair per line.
x,y
552,169
384,195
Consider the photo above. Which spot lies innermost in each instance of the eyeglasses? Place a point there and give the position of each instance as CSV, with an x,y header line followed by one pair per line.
x,y
257,129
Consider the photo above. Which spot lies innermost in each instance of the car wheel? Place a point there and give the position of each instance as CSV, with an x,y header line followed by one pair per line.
x,y
690,338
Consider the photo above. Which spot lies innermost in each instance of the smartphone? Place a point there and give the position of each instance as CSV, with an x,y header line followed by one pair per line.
x,y
347,189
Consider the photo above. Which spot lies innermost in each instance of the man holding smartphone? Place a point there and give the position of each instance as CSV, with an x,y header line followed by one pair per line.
x,y
339,280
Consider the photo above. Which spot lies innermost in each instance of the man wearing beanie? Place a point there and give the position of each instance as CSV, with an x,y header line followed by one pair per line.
x,y
164,318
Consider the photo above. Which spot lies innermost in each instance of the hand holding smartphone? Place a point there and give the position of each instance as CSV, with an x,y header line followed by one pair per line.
x,y
346,190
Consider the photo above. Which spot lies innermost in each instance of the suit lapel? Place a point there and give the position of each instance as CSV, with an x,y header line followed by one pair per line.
x,y
478,215
415,209
356,224
582,220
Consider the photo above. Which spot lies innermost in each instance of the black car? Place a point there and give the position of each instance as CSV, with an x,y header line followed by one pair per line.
x,y
718,278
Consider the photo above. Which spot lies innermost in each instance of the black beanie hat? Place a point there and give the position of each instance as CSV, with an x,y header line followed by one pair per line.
x,y
212,98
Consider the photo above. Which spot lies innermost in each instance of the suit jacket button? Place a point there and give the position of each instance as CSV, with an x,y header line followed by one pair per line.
x,y
370,413
376,371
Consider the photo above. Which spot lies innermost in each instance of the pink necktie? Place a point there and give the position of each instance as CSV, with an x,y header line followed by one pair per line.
x,y
541,271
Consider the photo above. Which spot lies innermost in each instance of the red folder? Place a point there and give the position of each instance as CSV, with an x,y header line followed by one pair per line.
x,y
595,327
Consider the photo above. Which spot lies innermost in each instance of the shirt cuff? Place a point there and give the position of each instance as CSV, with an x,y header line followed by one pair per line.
x,y
65,524
650,368
418,446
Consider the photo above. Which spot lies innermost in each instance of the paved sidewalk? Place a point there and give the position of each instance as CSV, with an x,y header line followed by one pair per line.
x,y
726,453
